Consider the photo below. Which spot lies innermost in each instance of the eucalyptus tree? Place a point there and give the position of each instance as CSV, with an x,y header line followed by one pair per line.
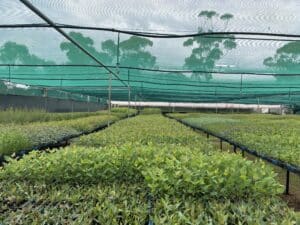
x,y
208,49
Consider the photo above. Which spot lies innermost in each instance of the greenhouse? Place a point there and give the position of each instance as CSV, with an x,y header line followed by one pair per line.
x,y
149,112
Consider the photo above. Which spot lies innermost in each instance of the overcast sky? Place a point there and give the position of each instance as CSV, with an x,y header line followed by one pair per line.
x,y
170,16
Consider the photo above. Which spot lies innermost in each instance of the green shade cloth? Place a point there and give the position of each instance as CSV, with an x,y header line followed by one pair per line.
x,y
255,58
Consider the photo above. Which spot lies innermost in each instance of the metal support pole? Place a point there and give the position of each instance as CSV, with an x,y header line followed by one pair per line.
x,y
118,53
128,92
234,148
241,91
61,82
216,97
142,89
290,105
150,210
128,101
287,183
46,100
9,74
109,97
241,85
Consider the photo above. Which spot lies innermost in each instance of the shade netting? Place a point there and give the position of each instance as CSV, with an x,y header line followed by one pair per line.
x,y
170,50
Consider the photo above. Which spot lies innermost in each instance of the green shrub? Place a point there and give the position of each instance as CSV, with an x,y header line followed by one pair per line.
x,y
275,136
12,140
20,137
146,129
147,111
167,171
79,185
188,180
24,116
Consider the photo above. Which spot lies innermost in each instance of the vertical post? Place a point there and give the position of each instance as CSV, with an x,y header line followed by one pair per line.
x,y
290,105
234,148
72,103
45,96
216,97
118,53
142,89
109,96
61,82
207,135
287,183
128,92
241,85
243,153
150,210
9,73
241,91
221,144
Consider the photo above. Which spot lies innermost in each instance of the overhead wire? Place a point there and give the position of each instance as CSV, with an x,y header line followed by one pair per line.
x,y
165,35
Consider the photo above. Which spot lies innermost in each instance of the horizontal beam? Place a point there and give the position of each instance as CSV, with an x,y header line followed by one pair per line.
x,y
224,35
153,70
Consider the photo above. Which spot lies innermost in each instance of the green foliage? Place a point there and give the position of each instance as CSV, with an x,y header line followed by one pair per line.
x,y
76,56
12,140
189,211
207,14
286,57
20,137
207,51
22,116
151,111
183,189
65,204
146,129
14,53
110,184
275,136
285,60
127,204
173,171
298,217
132,51
186,173
122,110
76,166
